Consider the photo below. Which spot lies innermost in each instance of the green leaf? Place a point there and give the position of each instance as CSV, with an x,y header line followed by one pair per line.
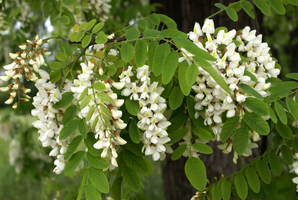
x,y
56,66
191,74
99,86
79,36
55,76
219,5
68,129
61,57
253,179
90,24
161,53
287,154
292,75
47,5
213,73
132,106
141,52
203,148
170,67
250,91
283,130
98,179
228,128
72,147
240,140
116,189
171,24
176,123
131,178
177,135
84,93
281,113
293,107
253,78
97,27
151,51
91,193
101,38
203,133
126,52
154,19
275,163
278,6
295,145
181,76
248,8
151,33
69,2
141,196
176,98
64,20
225,189
85,102
215,192
257,123
67,97
134,132
192,48
73,162
142,23
178,152
171,33
89,144
293,2
263,171
241,186
97,162
232,14
272,114
132,34
86,41
137,163
104,96
257,106
263,6
196,173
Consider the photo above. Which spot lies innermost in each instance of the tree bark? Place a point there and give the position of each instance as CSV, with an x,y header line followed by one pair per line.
x,y
185,13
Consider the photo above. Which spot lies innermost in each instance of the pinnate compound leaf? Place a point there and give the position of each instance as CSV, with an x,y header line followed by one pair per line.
x,y
191,74
215,193
97,27
287,154
257,106
248,8
225,190
97,162
177,135
241,186
72,147
203,148
178,152
68,129
132,106
281,113
67,97
293,107
253,179
131,178
275,163
116,188
240,139
257,123
98,179
101,38
228,128
176,98
263,6
137,163
278,6
170,67
161,53
141,52
90,24
264,171
232,14
126,52
196,173
132,33
73,162
91,193
134,132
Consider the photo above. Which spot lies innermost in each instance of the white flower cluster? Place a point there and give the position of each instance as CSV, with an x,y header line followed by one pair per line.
x,y
100,108
24,65
49,123
295,169
152,105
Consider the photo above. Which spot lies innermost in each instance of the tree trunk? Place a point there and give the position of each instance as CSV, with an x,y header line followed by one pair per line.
x,y
185,13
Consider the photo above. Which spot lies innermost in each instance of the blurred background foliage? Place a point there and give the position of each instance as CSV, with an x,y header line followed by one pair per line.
x,y
25,168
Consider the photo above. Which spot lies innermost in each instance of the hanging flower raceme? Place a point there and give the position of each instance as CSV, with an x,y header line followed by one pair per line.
x,y
99,105
24,66
152,105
